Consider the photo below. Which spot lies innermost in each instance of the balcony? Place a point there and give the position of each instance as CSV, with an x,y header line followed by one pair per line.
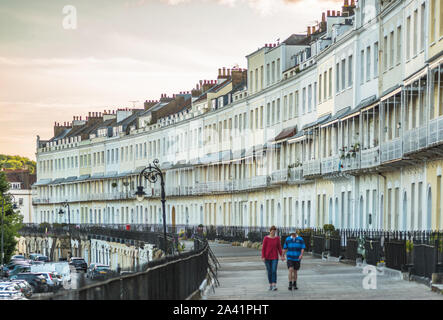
x,y
415,139
295,175
258,182
391,150
435,131
279,176
350,162
330,165
370,158
311,168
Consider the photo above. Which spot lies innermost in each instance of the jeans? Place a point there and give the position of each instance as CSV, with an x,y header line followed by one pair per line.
x,y
271,266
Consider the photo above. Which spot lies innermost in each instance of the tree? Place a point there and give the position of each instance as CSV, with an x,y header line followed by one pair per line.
x,y
12,221
17,162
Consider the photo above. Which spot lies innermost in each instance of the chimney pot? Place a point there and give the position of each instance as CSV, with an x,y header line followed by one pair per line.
x,y
224,71
309,31
329,13
333,13
338,13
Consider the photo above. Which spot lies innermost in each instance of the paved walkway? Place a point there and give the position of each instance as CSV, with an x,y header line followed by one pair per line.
x,y
243,277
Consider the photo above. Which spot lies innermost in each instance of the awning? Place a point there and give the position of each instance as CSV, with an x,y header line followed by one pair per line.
x,y
319,121
416,76
286,133
71,179
112,174
336,116
124,174
298,137
83,177
390,92
138,169
42,182
57,181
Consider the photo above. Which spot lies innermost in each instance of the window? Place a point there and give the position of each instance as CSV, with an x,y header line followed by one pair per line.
x,y
350,66
362,66
273,112
408,38
315,91
268,74
337,78
325,85
399,40
415,48
273,71
261,117
330,82
423,26
368,63
385,54
375,59
297,103
319,88
434,14
291,104
268,114
309,98
278,111
391,49
285,108
304,101
343,73
278,70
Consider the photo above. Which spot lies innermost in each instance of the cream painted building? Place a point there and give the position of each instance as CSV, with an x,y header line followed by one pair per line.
x,y
334,126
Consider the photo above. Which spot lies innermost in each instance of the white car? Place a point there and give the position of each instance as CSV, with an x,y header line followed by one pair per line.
x,y
11,291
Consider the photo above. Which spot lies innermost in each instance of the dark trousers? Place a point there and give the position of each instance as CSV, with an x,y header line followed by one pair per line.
x,y
271,267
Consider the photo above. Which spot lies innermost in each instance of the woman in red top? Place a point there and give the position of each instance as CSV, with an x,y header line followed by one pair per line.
x,y
270,251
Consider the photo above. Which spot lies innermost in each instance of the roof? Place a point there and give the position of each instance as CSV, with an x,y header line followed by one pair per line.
x,y
319,121
286,133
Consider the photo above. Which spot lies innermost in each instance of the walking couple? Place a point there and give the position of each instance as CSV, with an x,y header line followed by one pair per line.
x,y
293,249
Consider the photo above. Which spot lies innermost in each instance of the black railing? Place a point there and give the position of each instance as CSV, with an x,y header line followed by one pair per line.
x,y
102,232
169,278
335,246
373,251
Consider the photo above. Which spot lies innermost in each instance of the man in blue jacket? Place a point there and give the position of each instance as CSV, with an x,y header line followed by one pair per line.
x,y
293,250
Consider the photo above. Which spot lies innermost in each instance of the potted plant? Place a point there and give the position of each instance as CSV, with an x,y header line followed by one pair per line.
x,y
114,184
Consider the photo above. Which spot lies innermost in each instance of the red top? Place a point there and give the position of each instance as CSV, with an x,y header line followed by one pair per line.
x,y
271,248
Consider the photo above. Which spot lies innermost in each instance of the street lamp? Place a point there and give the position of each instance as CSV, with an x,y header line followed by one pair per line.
x,y
14,206
152,173
61,212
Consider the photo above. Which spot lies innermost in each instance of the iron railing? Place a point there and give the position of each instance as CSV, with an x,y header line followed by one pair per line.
x,y
169,278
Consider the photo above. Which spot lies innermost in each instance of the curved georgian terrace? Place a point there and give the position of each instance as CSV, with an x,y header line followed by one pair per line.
x,y
342,125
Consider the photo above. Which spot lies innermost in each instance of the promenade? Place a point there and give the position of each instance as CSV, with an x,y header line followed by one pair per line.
x,y
242,276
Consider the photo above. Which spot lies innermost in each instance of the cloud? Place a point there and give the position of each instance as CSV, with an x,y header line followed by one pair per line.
x,y
262,7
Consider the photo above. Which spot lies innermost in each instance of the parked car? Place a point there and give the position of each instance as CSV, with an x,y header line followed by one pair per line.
x,y
18,257
78,263
19,268
42,258
99,271
11,265
35,279
10,290
25,287
51,280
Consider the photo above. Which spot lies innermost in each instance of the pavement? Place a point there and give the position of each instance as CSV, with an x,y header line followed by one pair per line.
x,y
242,276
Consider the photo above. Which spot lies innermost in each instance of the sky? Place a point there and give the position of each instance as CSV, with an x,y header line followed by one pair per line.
x,y
65,58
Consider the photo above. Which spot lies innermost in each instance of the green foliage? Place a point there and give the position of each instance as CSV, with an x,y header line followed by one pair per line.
x,y
17,162
409,246
328,227
12,221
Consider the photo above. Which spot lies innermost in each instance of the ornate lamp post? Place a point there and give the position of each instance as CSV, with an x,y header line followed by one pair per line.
x,y
61,212
152,173
14,206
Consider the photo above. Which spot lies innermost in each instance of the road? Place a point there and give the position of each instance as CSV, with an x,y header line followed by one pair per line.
x,y
243,277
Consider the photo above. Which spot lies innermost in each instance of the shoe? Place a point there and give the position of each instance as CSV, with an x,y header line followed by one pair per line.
x,y
295,286
290,286
274,288
270,288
